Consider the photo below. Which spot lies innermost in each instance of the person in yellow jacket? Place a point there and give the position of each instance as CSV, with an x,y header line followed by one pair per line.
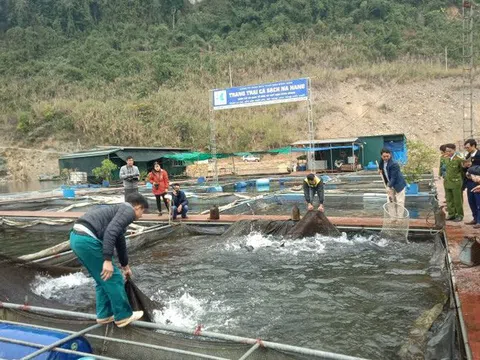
x,y
313,185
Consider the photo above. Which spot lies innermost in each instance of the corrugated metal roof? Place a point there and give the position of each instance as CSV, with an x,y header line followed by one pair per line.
x,y
384,135
90,153
326,141
106,150
163,148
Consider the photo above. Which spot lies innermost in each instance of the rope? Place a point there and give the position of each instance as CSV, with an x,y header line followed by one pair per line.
x,y
198,330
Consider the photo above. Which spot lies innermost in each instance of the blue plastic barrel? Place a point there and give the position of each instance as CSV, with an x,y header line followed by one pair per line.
x,y
412,189
68,193
214,189
240,185
263,182
263,188
11,351
371,166
414,213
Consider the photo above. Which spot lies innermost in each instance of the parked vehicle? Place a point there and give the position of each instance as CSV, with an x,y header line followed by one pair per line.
x,y
250,158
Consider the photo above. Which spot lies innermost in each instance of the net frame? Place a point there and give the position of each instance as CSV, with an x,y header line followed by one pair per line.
x,y
396,221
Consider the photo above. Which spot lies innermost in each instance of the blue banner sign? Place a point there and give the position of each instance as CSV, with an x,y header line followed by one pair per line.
x,y
263,94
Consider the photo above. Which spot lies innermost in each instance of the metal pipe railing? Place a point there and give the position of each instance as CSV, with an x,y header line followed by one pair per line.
x,y
65,351
123,341
60,342
154,326
458,304
149,230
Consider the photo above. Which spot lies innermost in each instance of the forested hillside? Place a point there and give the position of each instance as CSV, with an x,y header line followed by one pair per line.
x,y
137,72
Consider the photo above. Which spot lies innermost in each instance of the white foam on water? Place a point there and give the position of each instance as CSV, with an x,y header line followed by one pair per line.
x,y
316,244
183,311
257,240
53,288
187,311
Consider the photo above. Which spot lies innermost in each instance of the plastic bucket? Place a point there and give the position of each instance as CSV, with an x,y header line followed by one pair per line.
x,y
105,183
201,180
69,193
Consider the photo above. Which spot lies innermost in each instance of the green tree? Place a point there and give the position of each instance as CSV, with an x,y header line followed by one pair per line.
x,y
104,172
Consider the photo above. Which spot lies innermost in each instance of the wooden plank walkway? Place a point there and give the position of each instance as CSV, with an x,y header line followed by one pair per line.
x,y
339,221
467,278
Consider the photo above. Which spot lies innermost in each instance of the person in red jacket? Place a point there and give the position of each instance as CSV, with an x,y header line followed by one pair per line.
x,y
159,180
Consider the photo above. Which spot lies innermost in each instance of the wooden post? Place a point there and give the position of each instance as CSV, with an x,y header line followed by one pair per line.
x,y
446,58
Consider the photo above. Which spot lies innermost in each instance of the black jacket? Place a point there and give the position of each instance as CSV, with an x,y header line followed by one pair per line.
x,y
179,199
109,224
475,161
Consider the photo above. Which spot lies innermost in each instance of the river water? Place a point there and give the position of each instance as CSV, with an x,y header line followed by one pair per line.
x,y
34,185
354,295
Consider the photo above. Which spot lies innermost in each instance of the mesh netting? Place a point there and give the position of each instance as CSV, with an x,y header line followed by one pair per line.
x,y
245,227
17,275
314,222
140,302
395,221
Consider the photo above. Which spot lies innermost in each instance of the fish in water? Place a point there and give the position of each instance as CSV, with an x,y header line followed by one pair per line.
x,y
249,248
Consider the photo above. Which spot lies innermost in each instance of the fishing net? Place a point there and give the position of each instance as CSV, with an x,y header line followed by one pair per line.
x,y
139,301
16,276
245,227
395,221
314,222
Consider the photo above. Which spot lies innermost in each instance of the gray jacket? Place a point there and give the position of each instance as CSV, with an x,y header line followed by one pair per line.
x,y
109,224
130,176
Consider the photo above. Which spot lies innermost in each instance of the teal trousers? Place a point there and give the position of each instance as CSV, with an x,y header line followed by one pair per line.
x,y
111,296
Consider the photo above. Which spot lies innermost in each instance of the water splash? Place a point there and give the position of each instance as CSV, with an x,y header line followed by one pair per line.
x,y
54,288
189,311
316,245
184,311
